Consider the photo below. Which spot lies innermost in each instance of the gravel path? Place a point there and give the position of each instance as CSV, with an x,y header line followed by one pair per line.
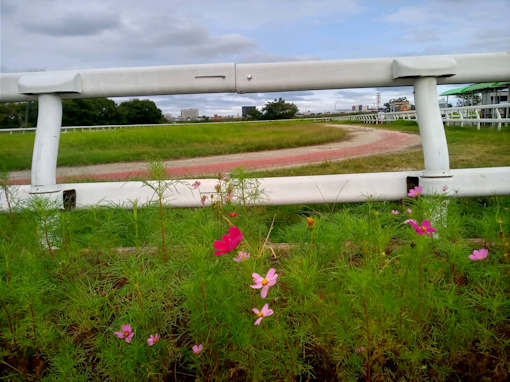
x,y
361,141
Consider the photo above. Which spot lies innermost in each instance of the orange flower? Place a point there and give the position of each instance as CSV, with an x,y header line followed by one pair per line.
x,y
310,222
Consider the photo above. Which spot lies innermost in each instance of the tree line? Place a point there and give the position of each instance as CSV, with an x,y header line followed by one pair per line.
x,y
84,112
278,109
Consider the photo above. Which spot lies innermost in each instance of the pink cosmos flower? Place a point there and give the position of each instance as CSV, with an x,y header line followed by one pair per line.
x,y
202,200
229,242
126,333
395,212
233,214
479,255
423,228
152,339
264,282
196,184
409,211
242,256
197,349
360,349
415,192
445,187
229,197
262,313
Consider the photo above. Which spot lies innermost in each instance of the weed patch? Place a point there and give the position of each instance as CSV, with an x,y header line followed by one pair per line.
x,y
330,292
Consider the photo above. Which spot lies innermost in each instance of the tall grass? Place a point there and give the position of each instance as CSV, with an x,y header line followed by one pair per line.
x,y
359,295
168,142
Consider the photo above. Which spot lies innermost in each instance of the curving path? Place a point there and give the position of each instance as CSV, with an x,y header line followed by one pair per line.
x,y
361,141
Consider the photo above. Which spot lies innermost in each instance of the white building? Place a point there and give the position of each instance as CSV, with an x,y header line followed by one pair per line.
x,y
189,114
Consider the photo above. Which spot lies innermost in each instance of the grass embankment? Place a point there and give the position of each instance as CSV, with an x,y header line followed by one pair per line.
x,y
360,295
467,147
167,142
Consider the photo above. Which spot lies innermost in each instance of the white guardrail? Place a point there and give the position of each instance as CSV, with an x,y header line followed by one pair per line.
x,y
65,129
424,73
496,114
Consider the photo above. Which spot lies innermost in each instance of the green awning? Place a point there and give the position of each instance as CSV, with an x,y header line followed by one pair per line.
x,y
475,88
454,91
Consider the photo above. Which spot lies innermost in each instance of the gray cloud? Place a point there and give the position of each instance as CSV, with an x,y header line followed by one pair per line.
x,y
73,25
7,7
453,26
74,34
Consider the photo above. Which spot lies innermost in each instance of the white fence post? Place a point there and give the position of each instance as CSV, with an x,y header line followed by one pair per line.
x,y
435,147
47,136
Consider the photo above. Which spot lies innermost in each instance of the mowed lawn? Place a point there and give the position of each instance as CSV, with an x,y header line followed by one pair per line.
x,y
467,147
168,142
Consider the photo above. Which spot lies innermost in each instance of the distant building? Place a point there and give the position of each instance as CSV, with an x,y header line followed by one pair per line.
x,y
189,114
360,108
246,109
486,93
400,106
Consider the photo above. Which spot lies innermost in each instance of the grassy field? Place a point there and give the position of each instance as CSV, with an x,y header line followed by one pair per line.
x,y
167,142
359,294
467,148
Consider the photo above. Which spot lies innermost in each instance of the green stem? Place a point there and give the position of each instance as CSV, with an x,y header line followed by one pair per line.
x,y
369,340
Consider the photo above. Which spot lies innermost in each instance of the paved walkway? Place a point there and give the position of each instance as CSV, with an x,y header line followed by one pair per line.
x,y
361,141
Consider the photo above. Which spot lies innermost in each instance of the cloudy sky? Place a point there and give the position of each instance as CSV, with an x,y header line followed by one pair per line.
x,y
72,34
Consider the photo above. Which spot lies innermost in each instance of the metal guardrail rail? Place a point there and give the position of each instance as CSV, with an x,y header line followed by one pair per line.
x,y
424,73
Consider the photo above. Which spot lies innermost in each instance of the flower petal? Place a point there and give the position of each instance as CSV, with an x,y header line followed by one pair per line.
x,y
257,322
263,292
257,278
218,244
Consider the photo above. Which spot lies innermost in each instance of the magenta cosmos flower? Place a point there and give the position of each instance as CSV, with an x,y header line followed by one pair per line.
x,y
229,242
415,192
233,214
242,256
395,212
423,228
479,255
197,349
262,313
264,282
126,333
152,339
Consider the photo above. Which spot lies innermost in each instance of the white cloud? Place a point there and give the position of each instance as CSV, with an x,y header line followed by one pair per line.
x,y
73,34
454,26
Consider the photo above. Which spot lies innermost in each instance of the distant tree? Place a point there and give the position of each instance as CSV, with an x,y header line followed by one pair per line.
x,y
139,111
468,99
18,114
279,109
89,112
253,114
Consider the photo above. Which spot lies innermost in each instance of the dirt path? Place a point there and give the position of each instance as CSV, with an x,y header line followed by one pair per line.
x,y
361,141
